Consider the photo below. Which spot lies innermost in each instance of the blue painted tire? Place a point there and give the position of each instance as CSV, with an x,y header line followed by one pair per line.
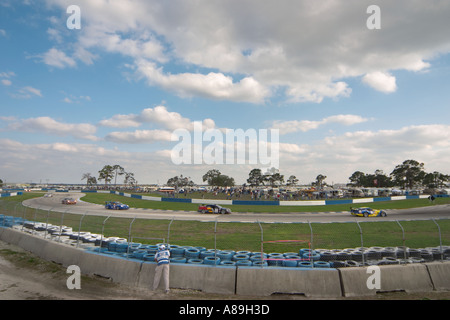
x,y
240,257
206,253
195,261
290,263
225,255
177,252
149,257
257,256
276,255
321,264
243,263
249,253
305,264
311,256
122,247
139,254
211,260
178,260
192,253
112,246
303,251
228,263
277,259
259,263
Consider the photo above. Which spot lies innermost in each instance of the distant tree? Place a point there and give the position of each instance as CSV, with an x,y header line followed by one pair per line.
x,y
129,178
320,181
90,180
292,181
273,177
408,173
180,181
435,180
357,178
210,176
224,181
255,178
107,173
118,170
215,178
381,180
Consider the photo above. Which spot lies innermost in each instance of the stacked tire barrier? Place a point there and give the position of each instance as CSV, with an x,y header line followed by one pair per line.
x,y
315,273
304,258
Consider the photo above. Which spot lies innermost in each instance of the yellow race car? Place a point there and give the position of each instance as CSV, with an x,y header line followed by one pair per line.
x,y
367,212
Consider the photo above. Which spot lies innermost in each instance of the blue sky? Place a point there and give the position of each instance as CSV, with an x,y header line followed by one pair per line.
x,y
343,97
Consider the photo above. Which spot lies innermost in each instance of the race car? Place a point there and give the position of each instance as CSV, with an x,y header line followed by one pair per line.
x,y
367,212
69,201
116,205
213,208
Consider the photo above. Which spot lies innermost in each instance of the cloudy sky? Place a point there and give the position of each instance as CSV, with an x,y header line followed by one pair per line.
x,y
343,96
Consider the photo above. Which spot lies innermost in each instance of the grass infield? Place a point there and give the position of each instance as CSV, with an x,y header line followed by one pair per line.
x,y
245,236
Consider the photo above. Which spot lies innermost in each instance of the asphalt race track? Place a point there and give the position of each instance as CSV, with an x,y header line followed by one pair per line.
x,y
54,203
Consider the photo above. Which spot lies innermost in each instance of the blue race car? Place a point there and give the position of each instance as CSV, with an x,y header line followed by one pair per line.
x,y
116,205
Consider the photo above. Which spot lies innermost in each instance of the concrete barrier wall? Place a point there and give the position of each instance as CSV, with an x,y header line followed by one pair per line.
x,y
197,277
409,278
245,281
440,275
266,281
120,270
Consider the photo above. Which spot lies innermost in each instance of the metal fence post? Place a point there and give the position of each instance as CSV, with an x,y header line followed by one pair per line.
x,y
403,239
79,229
215,242
168,231
103,229
311,243
46,224
440,239
129,236
362,243
34,219
262,243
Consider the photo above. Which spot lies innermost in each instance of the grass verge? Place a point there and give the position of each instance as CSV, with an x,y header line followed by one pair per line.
x,y
100,198
241,236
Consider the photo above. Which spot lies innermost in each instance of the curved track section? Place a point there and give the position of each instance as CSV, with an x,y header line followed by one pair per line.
x,y
54,203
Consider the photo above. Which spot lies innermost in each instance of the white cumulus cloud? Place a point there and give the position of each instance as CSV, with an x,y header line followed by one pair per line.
x,y
381,81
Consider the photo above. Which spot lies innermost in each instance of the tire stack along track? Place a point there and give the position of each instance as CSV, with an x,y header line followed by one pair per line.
x,y
54,203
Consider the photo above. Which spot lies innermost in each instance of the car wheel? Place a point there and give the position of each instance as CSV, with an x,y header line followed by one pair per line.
x,y
365,214
383,214
223,211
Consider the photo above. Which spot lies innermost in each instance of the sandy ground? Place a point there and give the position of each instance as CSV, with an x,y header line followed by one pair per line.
x,y
24,276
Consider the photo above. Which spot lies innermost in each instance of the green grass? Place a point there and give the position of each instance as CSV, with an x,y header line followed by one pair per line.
x,y
100,198
241,236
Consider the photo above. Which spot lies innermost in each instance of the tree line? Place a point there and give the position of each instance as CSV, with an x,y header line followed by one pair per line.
x,y
408,174
107,173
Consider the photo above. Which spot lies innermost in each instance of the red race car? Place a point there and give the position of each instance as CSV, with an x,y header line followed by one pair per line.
x,y
213,208
69,201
